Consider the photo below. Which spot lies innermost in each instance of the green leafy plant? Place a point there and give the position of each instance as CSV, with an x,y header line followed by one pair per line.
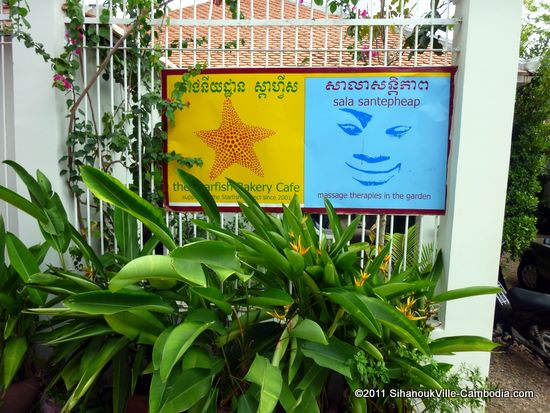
x,y
264,320
528,160
17,349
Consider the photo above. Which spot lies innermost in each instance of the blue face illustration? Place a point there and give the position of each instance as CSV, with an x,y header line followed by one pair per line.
x,y
371,147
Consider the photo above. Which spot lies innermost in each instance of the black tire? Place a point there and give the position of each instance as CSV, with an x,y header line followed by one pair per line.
x,y
528,275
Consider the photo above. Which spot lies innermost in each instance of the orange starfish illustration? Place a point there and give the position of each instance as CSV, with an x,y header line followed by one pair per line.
x,y
233,142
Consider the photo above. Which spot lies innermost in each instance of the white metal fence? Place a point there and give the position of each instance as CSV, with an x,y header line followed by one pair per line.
x,y
256,33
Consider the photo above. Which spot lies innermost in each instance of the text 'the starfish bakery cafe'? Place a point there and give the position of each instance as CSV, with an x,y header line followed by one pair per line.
x,y
367,139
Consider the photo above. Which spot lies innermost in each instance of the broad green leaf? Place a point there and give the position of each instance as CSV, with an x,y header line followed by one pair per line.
x,y
11,323
107,302
13,355
355,306
56,285
71,373
222,234
189,271
79,280
214,296
196,357
306,402
247,404
202,195
450,345
25,264
7,302
464,292
286,398
347,235
437,272
269,379
149,246
180,392
270,298
374,266
74,331
295,359
137,366
358,404
337,355
416,373
397,323
44,183
21,203
121,380
309,330
399,288
277,240
271,256
334,220
371,349
58,225
125,227
253,206
208,404
92,364
137,325
157,267
209,252
177,343
109,189
296,261
217,255
35,190
158,348
258,223
313,381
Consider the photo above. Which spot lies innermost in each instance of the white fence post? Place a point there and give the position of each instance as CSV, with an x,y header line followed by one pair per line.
x,y
471,231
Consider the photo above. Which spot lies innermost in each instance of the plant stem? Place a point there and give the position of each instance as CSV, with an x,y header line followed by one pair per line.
x,y
62,260
334,325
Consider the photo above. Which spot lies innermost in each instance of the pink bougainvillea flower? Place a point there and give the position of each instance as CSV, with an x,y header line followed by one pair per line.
x,y
61,82
368,54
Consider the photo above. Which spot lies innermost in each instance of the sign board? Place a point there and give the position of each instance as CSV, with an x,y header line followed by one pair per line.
x,y
371,140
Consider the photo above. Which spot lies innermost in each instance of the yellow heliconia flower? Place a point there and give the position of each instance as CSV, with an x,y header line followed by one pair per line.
x,y
89,272
297,246
407,311
385,262
359,282
278,316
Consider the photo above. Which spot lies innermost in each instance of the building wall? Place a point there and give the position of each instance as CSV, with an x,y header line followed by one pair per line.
x,y
39,130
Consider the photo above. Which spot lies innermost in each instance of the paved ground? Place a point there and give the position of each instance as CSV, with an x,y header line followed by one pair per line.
x,y
518,369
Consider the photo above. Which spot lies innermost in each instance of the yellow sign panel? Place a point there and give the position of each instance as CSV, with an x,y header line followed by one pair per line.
x,y
250,133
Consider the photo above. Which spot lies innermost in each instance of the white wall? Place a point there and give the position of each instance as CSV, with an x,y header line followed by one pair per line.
x,y
471,231
39,109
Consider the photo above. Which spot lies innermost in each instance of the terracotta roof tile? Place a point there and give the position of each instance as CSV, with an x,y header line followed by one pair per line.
x,y
278,46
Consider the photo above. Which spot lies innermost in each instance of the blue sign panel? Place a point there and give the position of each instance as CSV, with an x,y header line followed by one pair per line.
x,y
378,141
